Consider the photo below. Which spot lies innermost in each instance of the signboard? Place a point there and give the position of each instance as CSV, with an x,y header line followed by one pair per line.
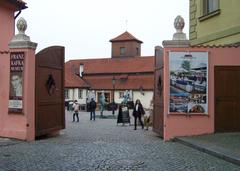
x,y
123,115
188,74
15,104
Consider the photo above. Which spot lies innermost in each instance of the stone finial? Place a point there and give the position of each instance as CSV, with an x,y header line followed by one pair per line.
x,y
179,38
21,25
179,25
21,40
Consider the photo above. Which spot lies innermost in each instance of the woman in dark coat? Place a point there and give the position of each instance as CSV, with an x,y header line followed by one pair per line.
x,y
138,111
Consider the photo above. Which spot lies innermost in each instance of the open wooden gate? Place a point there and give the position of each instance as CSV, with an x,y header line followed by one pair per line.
x,y
227,98
49,100
158,93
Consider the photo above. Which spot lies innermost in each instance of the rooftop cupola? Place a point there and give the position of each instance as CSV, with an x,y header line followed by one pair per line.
x,y
126,45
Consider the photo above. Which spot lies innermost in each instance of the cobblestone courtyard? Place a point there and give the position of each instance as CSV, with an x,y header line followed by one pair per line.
x,y
102,145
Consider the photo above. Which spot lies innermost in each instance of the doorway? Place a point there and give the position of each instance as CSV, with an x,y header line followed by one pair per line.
x,y
227,98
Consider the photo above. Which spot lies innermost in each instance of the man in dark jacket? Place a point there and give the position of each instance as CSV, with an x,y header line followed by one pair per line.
x,y
92,107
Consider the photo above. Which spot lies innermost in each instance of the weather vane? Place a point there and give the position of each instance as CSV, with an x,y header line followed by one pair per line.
x,y
126,22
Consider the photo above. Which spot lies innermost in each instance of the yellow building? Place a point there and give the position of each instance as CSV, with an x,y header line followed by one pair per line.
x,y
214,22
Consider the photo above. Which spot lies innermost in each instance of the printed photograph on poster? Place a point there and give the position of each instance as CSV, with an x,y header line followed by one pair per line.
x,y
15,104
188,73
16,84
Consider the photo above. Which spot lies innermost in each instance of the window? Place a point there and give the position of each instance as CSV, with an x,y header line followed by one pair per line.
x,y
137,51
80,94
66,94
122,51
121,94
210,6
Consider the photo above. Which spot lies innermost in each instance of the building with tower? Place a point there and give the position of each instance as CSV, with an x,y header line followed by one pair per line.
x,y
125,72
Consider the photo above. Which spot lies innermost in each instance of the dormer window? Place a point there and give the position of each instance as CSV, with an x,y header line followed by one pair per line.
x,y
122,51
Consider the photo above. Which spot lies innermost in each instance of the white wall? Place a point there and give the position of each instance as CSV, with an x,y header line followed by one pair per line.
x,y
145,99
116,97
70,94
73,95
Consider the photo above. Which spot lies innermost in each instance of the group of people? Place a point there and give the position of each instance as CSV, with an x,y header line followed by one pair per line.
x,y
138,112
92,107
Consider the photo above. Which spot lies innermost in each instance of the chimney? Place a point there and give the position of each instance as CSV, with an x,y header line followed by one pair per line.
x,y
81,70
158,56
158,50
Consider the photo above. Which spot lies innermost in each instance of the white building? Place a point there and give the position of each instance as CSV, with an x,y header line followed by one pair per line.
x,y
125,70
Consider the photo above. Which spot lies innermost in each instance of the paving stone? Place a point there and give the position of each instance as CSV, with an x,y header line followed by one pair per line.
x,y
102,145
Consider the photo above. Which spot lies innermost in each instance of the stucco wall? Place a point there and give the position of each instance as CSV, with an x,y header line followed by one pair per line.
x,y
223,28
145,99
182,125
6,26
20,126
73,95
117,99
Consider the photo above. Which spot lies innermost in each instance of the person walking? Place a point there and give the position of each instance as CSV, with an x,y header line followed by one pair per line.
x,y
92,107
75,110
138,111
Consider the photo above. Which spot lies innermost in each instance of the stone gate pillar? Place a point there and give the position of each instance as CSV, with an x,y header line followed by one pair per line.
x,y
21,103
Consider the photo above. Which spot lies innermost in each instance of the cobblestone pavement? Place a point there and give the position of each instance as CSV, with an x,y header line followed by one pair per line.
x,y
102,145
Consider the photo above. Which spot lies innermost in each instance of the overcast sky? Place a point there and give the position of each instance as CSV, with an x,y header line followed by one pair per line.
x,y
85,27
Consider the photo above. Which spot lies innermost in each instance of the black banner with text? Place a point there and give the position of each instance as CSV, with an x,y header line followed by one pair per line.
x,y
16,82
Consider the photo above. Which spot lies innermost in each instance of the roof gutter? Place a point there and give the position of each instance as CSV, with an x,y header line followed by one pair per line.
x,y
19,12
21,6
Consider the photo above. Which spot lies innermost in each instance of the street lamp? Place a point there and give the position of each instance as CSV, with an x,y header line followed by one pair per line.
x,y
113,103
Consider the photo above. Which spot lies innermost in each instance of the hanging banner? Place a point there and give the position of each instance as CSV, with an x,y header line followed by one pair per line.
x,y
188,73
15,104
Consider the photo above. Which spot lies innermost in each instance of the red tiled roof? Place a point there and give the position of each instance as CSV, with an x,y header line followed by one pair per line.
x,y
234,45
73,80
115,65
126,36
98,73
132,82
19,3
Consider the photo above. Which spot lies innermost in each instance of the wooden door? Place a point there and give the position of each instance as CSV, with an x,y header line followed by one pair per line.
x,y
50,113
158,94
227,98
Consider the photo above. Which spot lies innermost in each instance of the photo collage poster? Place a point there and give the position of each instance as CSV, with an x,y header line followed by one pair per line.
x,y
16,82
188,74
